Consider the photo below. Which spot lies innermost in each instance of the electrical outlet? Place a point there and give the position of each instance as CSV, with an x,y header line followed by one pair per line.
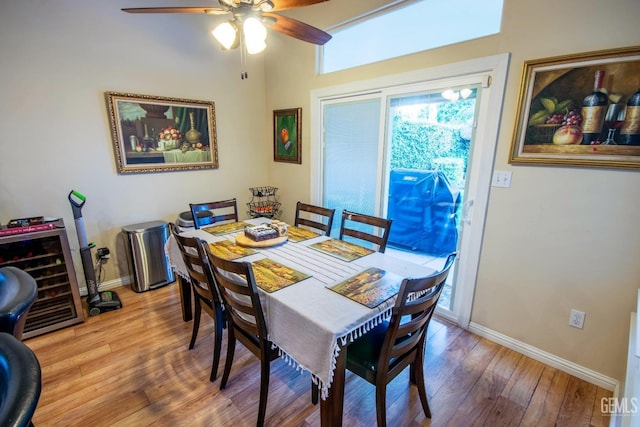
x,y
576,319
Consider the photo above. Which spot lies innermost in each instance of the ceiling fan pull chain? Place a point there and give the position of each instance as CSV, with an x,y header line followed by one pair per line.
x,y
243,58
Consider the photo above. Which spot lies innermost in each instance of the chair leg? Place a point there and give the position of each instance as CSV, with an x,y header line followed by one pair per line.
x,y
264,389
381,402
412,374
196,322
418,379
314,393
217,345
231,347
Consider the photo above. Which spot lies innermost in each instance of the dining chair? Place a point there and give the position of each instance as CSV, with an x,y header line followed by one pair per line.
x,y
212,212
305,216
205,294
385,351
365,227
184,284
245,318
18,292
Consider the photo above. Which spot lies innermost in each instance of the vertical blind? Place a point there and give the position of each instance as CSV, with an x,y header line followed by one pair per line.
x,y
351,132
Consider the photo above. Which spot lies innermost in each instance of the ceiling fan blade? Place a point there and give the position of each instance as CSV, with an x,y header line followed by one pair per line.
x,y
297,29
207,10
292,4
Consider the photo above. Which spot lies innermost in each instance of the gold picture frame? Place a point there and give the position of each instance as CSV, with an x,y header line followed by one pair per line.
x,y
287,135
161,134
558,85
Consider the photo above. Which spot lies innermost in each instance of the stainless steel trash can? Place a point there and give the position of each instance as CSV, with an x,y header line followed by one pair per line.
x,y
148,264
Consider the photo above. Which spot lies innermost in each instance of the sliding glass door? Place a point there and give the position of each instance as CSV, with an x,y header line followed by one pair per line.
x,y
420,153
412,169
429,138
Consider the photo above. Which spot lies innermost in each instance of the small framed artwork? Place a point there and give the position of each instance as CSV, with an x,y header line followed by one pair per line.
x,y
287,135
580,110
160,134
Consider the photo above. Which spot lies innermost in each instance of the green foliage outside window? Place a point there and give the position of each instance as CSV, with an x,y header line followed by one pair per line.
x,y
418,143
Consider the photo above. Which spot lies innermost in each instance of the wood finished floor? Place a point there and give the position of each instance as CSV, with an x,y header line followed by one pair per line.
x,y
131,367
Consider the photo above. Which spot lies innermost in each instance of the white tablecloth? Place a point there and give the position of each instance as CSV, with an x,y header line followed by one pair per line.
x,y
307,321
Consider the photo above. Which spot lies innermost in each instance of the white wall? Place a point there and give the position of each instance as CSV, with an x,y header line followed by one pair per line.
x,y
58,59
560,237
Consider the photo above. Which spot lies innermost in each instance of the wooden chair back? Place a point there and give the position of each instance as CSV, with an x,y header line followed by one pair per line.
x,y
238,290
386,350
174,229
205,291
410,317
212,212
198,267
355,225
245,318
306,215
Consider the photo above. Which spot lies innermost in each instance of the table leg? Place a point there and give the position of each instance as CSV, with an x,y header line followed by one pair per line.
x,y
331,407
185,298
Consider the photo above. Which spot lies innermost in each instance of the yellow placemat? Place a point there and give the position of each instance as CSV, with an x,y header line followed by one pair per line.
x,y
340,249
228,250
371,287
226,228
297,234
272,276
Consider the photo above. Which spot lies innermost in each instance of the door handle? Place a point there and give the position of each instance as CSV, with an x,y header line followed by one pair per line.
x,y
467,211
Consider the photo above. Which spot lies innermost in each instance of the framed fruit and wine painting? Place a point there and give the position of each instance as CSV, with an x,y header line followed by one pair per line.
x,y
580,110
161,134
287,134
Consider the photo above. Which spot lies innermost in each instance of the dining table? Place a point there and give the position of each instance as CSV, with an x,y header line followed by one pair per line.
x,y
313,314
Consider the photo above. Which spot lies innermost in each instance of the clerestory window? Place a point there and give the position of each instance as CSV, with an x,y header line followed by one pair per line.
x,y
408,26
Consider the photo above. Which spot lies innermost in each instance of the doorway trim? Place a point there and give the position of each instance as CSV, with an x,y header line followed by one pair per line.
x,y
495,68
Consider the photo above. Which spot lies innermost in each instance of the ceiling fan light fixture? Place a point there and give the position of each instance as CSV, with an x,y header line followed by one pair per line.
x,y
255,35
226,35
254,29
255,46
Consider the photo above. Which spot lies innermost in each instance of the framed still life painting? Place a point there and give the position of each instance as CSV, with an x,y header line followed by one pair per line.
x,y
161,134
580,110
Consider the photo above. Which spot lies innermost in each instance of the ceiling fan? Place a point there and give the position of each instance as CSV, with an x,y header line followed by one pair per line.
x,y
252,11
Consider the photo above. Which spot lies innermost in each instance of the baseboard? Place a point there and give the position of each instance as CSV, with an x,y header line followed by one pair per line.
x,y
111,284
571,368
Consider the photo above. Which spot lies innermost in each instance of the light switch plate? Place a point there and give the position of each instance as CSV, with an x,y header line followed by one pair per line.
x,y
501,179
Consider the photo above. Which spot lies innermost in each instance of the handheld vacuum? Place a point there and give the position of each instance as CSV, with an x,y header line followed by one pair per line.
x,y
98,301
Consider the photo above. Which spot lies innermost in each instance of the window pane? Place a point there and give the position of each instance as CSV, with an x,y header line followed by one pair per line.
x,y
351,132
422,25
